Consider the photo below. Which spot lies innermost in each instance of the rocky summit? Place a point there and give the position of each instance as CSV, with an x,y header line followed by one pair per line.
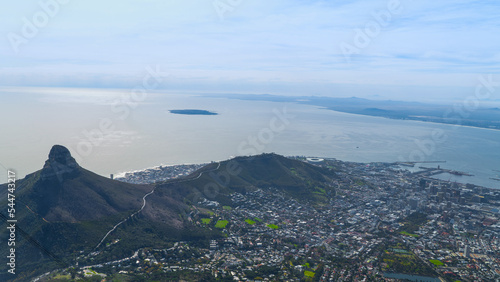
x,y
59,165
66,192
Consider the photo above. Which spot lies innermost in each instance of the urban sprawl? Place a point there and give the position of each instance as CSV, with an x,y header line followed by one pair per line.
x,y
382,224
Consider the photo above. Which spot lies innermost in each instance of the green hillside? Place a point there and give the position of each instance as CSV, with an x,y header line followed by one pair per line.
x,y
65,211
298,179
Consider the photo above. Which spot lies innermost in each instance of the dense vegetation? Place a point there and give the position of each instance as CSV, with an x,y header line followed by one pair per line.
x,y
398,259
412,223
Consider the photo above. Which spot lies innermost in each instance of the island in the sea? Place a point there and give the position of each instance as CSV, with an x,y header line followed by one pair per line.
x,y
193,112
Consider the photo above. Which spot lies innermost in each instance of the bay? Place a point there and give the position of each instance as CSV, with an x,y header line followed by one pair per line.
x,y
110,131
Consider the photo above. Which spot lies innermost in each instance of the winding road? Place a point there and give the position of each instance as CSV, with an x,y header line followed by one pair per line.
x,y
144,203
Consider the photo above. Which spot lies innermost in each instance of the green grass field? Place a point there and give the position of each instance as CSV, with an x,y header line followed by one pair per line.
x,y
249,221
436,262
308,273
399,251
273,226
408,234
221,224
227,208
62,277
206,220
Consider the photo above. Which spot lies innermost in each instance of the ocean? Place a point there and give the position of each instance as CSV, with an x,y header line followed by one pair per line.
x,y
111,131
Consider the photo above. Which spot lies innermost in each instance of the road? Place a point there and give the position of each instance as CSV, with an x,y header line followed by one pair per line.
x,y
144,203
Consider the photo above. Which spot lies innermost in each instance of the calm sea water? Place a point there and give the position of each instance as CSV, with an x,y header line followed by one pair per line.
x,y
107,134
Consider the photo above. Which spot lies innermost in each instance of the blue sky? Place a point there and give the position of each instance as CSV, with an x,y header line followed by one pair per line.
x,y
427,50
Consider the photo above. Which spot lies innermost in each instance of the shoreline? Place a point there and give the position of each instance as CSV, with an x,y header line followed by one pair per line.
x,y
144,170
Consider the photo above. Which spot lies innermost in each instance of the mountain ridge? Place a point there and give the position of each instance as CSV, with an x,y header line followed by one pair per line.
x,y
68,211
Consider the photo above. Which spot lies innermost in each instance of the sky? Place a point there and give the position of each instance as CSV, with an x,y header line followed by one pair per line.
x,y
396,49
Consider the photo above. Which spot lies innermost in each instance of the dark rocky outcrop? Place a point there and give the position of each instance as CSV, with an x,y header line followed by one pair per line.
x,y
60,165
66,192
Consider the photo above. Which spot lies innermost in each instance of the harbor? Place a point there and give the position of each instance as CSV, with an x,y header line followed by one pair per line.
x,y
432,171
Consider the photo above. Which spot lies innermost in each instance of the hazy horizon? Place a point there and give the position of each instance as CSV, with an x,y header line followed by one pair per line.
x,y
116,58
145,134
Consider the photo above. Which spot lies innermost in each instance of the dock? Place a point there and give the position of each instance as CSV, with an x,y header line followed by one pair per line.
x,y
430,171
412,164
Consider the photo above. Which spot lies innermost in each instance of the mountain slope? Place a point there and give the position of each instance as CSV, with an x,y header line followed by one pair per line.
x,y
298,179
64,192
64,209
65,212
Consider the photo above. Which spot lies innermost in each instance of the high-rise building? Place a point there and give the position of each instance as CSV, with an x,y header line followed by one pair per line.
x,y
414,203
444,189
478,199
433,189
467,251
422,184
440,196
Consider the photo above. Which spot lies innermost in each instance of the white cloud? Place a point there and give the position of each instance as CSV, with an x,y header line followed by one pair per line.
x,y
95,43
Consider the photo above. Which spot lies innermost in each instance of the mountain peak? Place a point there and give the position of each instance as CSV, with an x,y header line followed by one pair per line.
x,y
59,164
61,155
